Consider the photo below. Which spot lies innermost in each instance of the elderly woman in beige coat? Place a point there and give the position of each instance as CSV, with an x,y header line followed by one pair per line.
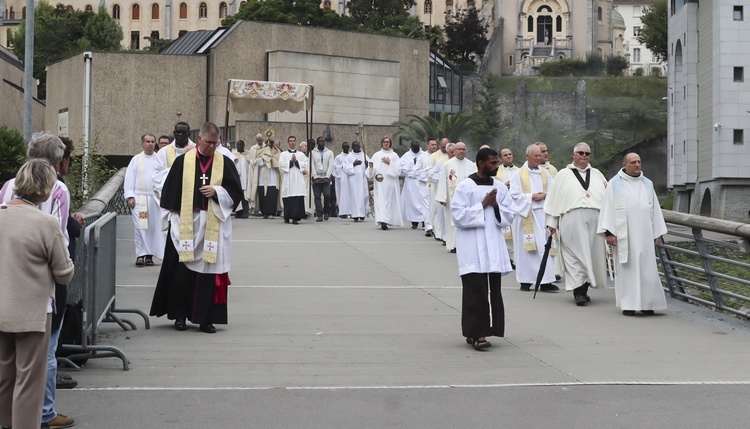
x,y
33,256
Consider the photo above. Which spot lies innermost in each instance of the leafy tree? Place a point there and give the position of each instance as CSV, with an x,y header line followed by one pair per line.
x,y
60,32
654,32
379,15
14,153
487,125
156,45
301,12
466,38
615,65
454,127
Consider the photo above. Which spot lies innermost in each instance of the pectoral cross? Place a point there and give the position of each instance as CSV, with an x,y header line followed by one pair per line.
x,y
210,247
203,179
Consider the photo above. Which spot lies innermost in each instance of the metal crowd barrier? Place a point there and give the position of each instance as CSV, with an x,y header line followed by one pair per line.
x,y
94,284
707,261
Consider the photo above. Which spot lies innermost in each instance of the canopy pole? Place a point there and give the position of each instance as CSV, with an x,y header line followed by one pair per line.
x,y
226,116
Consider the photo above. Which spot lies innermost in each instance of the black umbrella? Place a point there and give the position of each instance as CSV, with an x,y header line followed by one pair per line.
x,y
543,266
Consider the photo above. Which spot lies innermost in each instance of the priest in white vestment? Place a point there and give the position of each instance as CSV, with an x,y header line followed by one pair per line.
x,y
480,208
267,163
428,161
414,193
572,206
200,192
138,191
438,219
528,189
632,221
384,170
251,189
341,181
359,189
504,174
293,166
242,166
165,157
453,172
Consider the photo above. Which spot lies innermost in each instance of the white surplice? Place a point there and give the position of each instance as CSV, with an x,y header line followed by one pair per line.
x,y
359,189
293,182
631,211
437,211
414,193
343,197
528,262
453,172
386,194
139,185
480,247
162,164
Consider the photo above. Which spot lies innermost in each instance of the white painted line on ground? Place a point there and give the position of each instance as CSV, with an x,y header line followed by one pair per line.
x,y
325,287
438,386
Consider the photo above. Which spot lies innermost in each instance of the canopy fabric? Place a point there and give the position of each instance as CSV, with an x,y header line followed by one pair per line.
x,y
266,97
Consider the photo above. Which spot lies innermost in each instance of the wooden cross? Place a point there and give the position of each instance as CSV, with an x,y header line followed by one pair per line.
x,y
203,179
210,247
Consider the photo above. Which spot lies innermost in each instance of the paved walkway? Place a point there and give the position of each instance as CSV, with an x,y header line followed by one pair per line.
x,y
340,324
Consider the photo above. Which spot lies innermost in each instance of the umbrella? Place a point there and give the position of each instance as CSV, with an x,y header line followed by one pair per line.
x,y
543,265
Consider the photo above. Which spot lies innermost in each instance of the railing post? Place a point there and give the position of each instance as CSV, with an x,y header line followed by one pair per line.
x,y
708,266
670,273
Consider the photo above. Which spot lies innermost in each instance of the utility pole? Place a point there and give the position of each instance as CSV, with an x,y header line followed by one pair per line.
x,y
28,72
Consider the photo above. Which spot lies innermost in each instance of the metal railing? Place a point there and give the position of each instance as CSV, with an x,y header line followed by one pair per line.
x,y
94,284
707,261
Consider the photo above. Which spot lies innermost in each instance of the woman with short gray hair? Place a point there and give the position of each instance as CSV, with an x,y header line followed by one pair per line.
x,y
32,259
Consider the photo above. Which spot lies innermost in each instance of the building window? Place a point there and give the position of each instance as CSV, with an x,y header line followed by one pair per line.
x,y
327,4
558,24
739,74
182,33
599,14
136,15
155,11
202,11
636,55
470,4
12,13
155,35
739,137
738,14
23,13
135,40
88,8
428,6
183,11
448,6
116,12
510,60
223,10
530,26
636,31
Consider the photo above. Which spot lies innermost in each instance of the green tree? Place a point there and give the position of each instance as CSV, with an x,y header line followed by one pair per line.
x,y
60,32
615,65
466,38
487,126
455,127
654,32
301,12
378,15
14,153
156,45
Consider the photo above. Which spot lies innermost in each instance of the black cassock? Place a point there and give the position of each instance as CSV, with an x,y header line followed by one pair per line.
x,y
182,293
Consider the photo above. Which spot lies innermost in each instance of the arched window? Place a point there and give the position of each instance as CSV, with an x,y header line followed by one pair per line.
x,y
470,4
155,11
448,6
558,24
428,6
183,11
202,11
116,12
242,3
222,10
23,13
12,13
88,8
136,13
544,8
599,13
530,26
327,4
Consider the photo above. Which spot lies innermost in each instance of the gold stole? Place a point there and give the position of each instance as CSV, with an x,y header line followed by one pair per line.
x,y
171,155
527,222
142,197
211,240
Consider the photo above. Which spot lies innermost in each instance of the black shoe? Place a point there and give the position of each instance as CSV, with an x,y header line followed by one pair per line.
x,y
648,312
443,242
580,300
548,287
325,216
512,264
356,219
558,277
383,226
179,324
295,222
343,216
242,215
453,250
320,219
209,329
64,381
286,220
628,312
526,287
414,225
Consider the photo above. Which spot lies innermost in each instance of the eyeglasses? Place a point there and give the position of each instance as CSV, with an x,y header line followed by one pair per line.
x,y
210,143
584,153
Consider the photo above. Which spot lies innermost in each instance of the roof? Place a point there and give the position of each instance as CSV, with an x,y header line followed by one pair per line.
x,y
10,57
617,19
195,42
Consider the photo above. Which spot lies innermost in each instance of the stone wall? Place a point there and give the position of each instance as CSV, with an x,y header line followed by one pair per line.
x,y
11,96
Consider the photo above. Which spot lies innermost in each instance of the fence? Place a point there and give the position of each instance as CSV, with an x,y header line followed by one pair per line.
x,y
707,261
94,286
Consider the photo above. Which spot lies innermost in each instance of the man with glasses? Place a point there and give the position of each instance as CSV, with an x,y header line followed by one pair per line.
x,y
572,207
200,193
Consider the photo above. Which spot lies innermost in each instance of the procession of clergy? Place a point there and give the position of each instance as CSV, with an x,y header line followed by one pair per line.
x,y
497,217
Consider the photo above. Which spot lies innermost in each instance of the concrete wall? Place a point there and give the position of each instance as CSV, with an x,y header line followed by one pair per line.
x,y
132,93
11,97
242,55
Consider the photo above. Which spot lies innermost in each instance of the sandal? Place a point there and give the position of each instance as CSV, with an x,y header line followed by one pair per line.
x,y
149,261
481,343
139,261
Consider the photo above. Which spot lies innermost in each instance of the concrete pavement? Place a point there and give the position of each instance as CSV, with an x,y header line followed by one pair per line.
x,y
340,324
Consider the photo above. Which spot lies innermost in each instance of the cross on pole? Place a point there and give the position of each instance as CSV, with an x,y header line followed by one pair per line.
x,y
203,179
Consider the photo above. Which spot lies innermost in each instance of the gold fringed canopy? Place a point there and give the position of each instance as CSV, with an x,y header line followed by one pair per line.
x,y
266,97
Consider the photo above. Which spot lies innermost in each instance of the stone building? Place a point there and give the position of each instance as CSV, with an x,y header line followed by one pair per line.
x,y
709,107
358,78
639,55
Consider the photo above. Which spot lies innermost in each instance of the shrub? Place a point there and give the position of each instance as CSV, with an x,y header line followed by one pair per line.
x,y
638,71
615,65
13,149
